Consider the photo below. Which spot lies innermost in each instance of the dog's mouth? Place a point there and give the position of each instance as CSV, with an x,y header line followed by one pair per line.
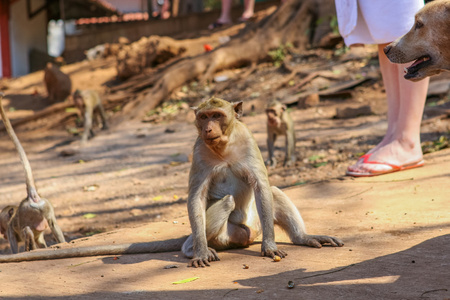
x,y
421,62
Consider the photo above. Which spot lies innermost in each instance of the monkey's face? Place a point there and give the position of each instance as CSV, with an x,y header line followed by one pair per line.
x,y
212,125
78,100
273,117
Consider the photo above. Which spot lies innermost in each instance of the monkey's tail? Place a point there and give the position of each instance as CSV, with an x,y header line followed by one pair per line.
x,y
23,157
135,248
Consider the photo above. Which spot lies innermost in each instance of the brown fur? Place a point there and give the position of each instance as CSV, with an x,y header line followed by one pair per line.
x,y
34,215
57,83
429,37
279,122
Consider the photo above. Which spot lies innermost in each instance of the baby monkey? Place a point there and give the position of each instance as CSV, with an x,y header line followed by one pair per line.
x,y
89,104
279,122
28,221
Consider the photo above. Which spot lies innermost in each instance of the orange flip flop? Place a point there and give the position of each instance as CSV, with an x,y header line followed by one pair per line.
x,y
394,168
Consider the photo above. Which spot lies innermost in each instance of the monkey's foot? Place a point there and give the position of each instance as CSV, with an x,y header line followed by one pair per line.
x,y
271,163
204,260
318,240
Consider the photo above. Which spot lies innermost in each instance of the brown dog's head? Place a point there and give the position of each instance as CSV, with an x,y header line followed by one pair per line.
x,y
427,43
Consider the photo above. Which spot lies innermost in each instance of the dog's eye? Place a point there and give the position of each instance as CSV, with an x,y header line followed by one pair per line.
x,y
418,25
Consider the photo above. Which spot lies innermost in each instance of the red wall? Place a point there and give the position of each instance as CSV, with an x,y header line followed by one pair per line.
x,y
4,36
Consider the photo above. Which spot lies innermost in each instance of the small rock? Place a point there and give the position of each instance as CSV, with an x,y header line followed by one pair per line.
x,y
221,78
170,267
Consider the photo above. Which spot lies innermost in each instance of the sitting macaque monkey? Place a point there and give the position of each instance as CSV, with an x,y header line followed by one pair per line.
x,y
58,84
89,104
228,190
34,215
279,122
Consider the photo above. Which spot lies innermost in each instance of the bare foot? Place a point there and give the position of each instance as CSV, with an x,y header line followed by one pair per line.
x,y
245,18
388,154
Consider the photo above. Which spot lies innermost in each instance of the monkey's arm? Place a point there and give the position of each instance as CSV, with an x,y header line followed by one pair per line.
x,y
198,189
258,179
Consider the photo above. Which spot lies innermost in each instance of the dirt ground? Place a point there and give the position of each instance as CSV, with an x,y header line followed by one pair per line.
x,y
130,185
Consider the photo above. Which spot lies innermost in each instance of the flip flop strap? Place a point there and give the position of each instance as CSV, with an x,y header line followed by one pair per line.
x,y
366,157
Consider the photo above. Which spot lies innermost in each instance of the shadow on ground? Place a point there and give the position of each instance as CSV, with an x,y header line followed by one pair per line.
x,y
396,276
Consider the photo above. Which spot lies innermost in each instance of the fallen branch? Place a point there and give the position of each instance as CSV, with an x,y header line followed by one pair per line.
x,y
54,108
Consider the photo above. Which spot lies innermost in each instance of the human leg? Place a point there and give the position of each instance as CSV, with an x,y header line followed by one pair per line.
x,y
249,9
225,13
401,144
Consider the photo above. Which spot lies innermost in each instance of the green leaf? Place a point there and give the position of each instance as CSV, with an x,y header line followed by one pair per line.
x,y
185,280
314,158
89,216
71,110
320,164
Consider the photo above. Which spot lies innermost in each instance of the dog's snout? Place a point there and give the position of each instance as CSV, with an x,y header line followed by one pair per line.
x,y
387,49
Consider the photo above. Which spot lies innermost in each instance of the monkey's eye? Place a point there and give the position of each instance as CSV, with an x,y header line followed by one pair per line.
x,y
203,117
217,115
418,25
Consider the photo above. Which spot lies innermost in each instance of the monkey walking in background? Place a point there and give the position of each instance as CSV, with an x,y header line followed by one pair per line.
x,y
58,84
89,104
230,200
34,215
279,122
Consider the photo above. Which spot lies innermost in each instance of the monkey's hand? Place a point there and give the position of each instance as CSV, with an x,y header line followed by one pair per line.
x,y
318,240
204,260
272,251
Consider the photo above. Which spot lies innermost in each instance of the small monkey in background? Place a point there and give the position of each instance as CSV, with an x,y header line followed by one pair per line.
x,y
279,122
58,84
89,104
34,215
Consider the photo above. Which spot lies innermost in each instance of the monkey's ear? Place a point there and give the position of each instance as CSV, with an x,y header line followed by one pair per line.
x,y
11,212
238,109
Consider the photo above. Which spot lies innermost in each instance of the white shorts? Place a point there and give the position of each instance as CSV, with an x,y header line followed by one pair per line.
x,y
375,21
